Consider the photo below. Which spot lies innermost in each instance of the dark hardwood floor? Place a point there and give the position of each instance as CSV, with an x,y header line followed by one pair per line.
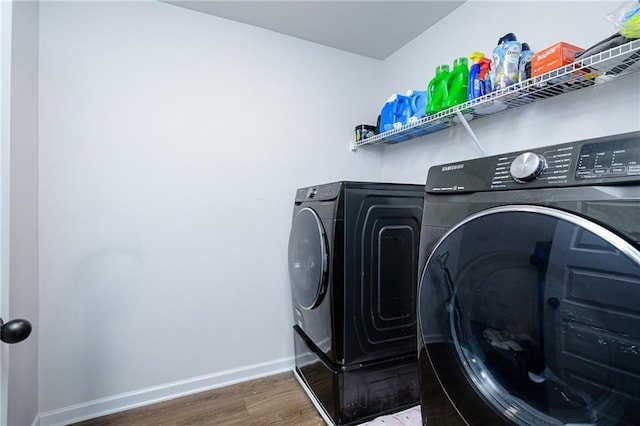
x,y
274,400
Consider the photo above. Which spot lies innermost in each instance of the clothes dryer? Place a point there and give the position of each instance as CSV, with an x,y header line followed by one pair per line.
x,y
353,253
529,296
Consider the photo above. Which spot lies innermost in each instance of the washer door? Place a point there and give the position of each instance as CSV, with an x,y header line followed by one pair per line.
x,y
308,259
540,308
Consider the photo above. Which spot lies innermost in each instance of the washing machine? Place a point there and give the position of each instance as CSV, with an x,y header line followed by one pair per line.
x,y
529,295
353,267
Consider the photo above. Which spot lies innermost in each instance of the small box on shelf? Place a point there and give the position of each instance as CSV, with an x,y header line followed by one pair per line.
x,y
556,56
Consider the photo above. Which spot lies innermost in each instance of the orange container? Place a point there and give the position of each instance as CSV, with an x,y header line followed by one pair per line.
x,y
553,57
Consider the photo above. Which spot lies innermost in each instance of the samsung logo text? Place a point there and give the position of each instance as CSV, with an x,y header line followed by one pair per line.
x,y
452,167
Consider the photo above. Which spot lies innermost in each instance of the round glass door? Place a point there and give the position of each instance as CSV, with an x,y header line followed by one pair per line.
x,y
307,259
541,308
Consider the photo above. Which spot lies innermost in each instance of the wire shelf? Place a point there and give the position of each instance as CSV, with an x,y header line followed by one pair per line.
x,y
585,72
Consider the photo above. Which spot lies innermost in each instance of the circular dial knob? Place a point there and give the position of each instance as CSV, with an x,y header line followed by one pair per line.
x,y
527,167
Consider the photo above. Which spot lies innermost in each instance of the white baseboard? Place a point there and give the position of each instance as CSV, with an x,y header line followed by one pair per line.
x,y
126,401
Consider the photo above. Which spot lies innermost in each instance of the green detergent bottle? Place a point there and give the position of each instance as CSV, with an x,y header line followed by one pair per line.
x,y
457,84
436,90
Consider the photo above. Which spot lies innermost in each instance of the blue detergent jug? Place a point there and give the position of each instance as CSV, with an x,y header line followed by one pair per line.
x,y
474,89
418,104
387,115
403,111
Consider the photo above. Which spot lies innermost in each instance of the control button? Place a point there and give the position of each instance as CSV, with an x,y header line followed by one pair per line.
x,y
312,193
617,170
528,166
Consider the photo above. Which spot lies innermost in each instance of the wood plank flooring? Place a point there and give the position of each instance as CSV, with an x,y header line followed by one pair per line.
x,y
274,400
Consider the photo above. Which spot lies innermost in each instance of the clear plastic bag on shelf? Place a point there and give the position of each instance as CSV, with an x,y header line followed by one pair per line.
x,y
626,19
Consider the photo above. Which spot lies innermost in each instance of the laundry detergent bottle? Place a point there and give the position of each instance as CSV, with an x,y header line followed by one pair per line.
x,y
456,84
418,104
506,59
485,76
436,90
387,115
403,111
524,67
475,90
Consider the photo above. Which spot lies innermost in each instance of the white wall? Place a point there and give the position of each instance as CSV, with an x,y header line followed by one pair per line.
x,y
23,268
171,145
477,25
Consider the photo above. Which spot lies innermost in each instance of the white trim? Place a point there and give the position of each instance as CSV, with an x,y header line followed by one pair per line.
x,y
6,26
128,400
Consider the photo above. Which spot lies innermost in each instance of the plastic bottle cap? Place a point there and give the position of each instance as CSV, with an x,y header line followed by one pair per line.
x,y
409,92
476,56
460,61
507,37
392,98
525,46
442,68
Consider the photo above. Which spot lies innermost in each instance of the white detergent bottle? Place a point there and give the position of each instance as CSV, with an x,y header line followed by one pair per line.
x,y
506,60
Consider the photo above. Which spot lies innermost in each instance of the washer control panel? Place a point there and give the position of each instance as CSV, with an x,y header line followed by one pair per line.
x,y
550,165
608,160
325,192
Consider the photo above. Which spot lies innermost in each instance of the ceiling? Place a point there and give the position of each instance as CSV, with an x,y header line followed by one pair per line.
x,y
370,28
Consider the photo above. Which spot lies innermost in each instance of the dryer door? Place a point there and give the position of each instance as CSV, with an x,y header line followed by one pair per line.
x,y
308,259
531,315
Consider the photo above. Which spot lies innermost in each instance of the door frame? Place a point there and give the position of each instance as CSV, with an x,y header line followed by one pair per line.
x,y
6,9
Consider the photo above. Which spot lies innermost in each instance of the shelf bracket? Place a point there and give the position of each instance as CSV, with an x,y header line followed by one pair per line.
x,y
470,131
352,145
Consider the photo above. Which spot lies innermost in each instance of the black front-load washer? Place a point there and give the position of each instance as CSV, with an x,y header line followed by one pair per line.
x,y
353,266
529,296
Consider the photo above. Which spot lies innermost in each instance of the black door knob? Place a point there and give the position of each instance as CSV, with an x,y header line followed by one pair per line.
x,y
15,330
